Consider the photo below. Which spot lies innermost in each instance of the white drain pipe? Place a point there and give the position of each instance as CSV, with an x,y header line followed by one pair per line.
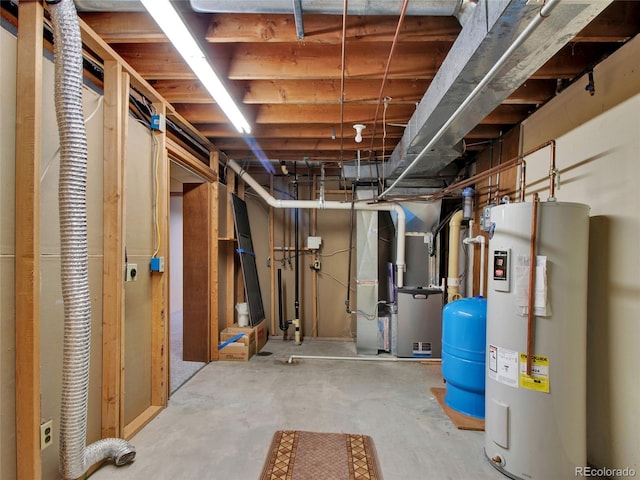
x,y
482,241
75,456
362,359
333,205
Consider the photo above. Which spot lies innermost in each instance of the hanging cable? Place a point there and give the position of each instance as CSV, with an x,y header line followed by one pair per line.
x,y
384,80
347,302
342,70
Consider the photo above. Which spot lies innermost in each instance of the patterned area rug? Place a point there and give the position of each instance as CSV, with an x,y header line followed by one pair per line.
x,y
296,455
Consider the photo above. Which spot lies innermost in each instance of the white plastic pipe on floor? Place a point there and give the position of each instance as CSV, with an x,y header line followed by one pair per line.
x,y
333,205
362,359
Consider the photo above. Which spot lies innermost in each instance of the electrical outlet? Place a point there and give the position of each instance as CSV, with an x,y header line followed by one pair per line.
x,y
46,434
131,274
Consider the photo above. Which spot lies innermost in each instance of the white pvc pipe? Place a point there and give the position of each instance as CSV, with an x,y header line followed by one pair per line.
x,y
544,12
470,260
363,359
333,205
482,241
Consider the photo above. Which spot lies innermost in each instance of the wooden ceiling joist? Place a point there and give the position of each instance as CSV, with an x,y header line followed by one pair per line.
x,y
293,61
353,113
327,29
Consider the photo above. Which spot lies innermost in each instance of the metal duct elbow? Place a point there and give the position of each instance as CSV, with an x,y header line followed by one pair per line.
x,y
75,457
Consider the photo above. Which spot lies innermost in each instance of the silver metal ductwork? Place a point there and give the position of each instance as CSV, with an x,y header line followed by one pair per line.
x,y
461,9
450,8
75,457
485,38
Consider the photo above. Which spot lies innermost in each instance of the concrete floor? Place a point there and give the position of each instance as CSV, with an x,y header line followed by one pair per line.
x,y
220,423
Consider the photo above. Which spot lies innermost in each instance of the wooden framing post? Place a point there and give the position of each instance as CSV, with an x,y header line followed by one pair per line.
x,y
27,273
213,257
274,328
230,287
160,280
116,90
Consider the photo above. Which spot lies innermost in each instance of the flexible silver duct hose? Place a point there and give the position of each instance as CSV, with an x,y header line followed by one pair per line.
x,y
75,457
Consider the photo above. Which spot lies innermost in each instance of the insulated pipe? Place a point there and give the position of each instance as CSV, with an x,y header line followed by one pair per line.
x,y
281,323
333,205
75,456
453,278
544,12
482,241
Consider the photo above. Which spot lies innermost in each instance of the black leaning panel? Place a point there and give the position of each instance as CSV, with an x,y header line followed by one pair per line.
x,y
247,261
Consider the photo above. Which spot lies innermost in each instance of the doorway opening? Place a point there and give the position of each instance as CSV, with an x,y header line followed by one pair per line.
x,y
180,370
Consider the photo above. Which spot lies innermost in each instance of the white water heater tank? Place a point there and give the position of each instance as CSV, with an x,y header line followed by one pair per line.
x,y
536,424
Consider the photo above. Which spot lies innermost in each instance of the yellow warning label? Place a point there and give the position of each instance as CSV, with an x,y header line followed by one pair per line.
x,y
539,378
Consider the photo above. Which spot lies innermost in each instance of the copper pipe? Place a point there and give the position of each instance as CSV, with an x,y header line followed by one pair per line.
x,y
552,172
523,176
386,71
532,282
342,70
513,162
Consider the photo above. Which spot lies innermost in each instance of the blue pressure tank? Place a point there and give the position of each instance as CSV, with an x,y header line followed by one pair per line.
x,y
464,330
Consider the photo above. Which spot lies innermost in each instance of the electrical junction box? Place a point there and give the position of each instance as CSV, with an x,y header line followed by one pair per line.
x,y
158,122
313,243
157,264
485,220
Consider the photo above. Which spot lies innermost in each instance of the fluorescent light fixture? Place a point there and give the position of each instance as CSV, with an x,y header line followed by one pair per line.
x,y
174,28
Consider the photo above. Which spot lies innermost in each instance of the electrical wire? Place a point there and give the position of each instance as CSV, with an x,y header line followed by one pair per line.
x,y
55,155
337,280
343,250
154,166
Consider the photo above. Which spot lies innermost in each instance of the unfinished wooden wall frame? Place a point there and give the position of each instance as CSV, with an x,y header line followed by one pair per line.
x,y
27,273
196,200
230,252
213,257
159,289
115,113
204,218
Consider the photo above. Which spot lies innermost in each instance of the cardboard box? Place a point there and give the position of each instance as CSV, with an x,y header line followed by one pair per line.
x,y
239,351
257,334
261,334
229,333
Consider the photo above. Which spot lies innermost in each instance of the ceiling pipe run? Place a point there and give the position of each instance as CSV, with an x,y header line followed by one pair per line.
x,y
544,12
503,43
334,205
448,8
461,9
